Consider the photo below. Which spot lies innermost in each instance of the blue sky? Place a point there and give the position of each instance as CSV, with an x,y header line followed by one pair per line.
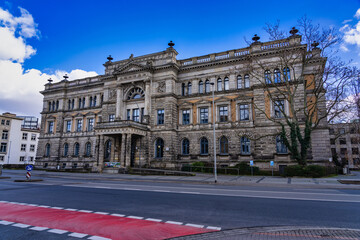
x,y
81,34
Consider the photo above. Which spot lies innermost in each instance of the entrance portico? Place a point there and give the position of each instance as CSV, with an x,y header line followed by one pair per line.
x,y
121,144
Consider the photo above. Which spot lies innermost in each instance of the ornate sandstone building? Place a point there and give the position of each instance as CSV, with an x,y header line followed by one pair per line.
x,y
156,111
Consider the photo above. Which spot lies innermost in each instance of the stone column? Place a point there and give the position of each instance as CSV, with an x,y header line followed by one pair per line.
x,y
101,153
147,98
128,149
122,150
119,99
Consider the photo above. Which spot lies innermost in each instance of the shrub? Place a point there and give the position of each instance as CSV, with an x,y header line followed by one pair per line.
x,y
244,168
314,171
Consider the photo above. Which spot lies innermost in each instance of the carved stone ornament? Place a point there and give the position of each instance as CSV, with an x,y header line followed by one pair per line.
x,y
162,86
112,94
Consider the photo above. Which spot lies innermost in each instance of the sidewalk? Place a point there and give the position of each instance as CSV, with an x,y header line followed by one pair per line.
x,y
202,178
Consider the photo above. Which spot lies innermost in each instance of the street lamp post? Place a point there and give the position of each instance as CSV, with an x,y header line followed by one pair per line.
x,y
215,171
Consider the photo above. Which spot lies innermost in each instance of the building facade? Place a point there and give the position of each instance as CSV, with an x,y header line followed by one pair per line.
x,y
157,111
18,144
345,143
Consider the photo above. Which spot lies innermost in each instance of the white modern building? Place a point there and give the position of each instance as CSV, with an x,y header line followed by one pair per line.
x,y
17,144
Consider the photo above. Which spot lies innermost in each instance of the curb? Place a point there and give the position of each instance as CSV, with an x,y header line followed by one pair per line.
x,y
33,180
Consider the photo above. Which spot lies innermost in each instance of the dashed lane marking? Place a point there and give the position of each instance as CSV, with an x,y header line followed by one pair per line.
x,y
77,235
213,228
98,238
85,211
39,228
172,222
103,213
135,217
57,231
5,222
20,225
70,209
194,225
153,219
118,215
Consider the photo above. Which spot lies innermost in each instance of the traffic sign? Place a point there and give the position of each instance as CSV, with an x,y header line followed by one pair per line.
x,y
29,168
271,163
251,163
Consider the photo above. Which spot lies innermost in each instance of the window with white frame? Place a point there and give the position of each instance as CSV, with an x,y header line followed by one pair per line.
x,y
226,84
247,81
90,123
8,122
32,148
160,116
24,136
23,147
244,112
267,76
79,125
68,126
50,127
22,158
135,115
219,84
207,86
201,87
279,108
189,90
277,76
3,147
239,82
223,113
204,115
186,117
33,137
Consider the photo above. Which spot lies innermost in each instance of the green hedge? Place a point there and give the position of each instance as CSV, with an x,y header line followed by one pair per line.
x,y
314,171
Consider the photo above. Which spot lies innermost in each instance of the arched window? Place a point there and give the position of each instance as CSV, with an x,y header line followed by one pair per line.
x,y
189,88
247,81
107,154
245,145
83,103
49,107
204,146
90,102
226,84
94,102
79,103
239,82
101,99
159,148
267,76
185,146
201,87
183,89
277,76
280,145
136,93
88,149
53,105
69,104
66,149
207,86
287,74
224,145
47,150
57,105
219,84
76,149
72,104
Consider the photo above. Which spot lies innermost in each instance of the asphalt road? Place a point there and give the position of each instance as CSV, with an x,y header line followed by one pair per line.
x,y
208,205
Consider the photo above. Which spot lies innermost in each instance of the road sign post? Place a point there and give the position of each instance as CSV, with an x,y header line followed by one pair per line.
x,y
251,166
28,176
272,167
28,168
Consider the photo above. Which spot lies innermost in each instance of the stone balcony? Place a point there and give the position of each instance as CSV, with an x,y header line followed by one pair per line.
x,y
121,126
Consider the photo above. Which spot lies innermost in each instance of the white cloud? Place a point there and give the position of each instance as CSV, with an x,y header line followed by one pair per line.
x,y
351,33
357,14
19,91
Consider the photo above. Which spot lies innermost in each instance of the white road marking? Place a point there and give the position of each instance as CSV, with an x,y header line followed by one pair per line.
x,y
20,225
103,213
85,211
44,206
190,192
172,222
118,215
213,228
153,220
194,225
57,208
70,209
3,201
135,217
33,205
3,222
57,231
133,189
161,191
39,228
77,235
98,238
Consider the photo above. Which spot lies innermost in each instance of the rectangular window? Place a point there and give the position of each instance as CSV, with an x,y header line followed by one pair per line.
x,y
342,141
244,112
33,137
31,159
2,121
3,147
333,151
2,158
68,126
279,107
355,150
204,115
32,148
160,116
342,130
5,134
50,127
135,115
22,159
23,147
128,114
354,140
90,124
332,141
8,122
223,113
331,131
24,136
343,151
79,125
111,117
185,117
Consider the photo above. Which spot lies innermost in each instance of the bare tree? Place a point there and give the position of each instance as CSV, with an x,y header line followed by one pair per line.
x,y
305,83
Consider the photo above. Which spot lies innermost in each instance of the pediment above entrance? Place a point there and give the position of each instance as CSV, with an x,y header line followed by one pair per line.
x,y
132,67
